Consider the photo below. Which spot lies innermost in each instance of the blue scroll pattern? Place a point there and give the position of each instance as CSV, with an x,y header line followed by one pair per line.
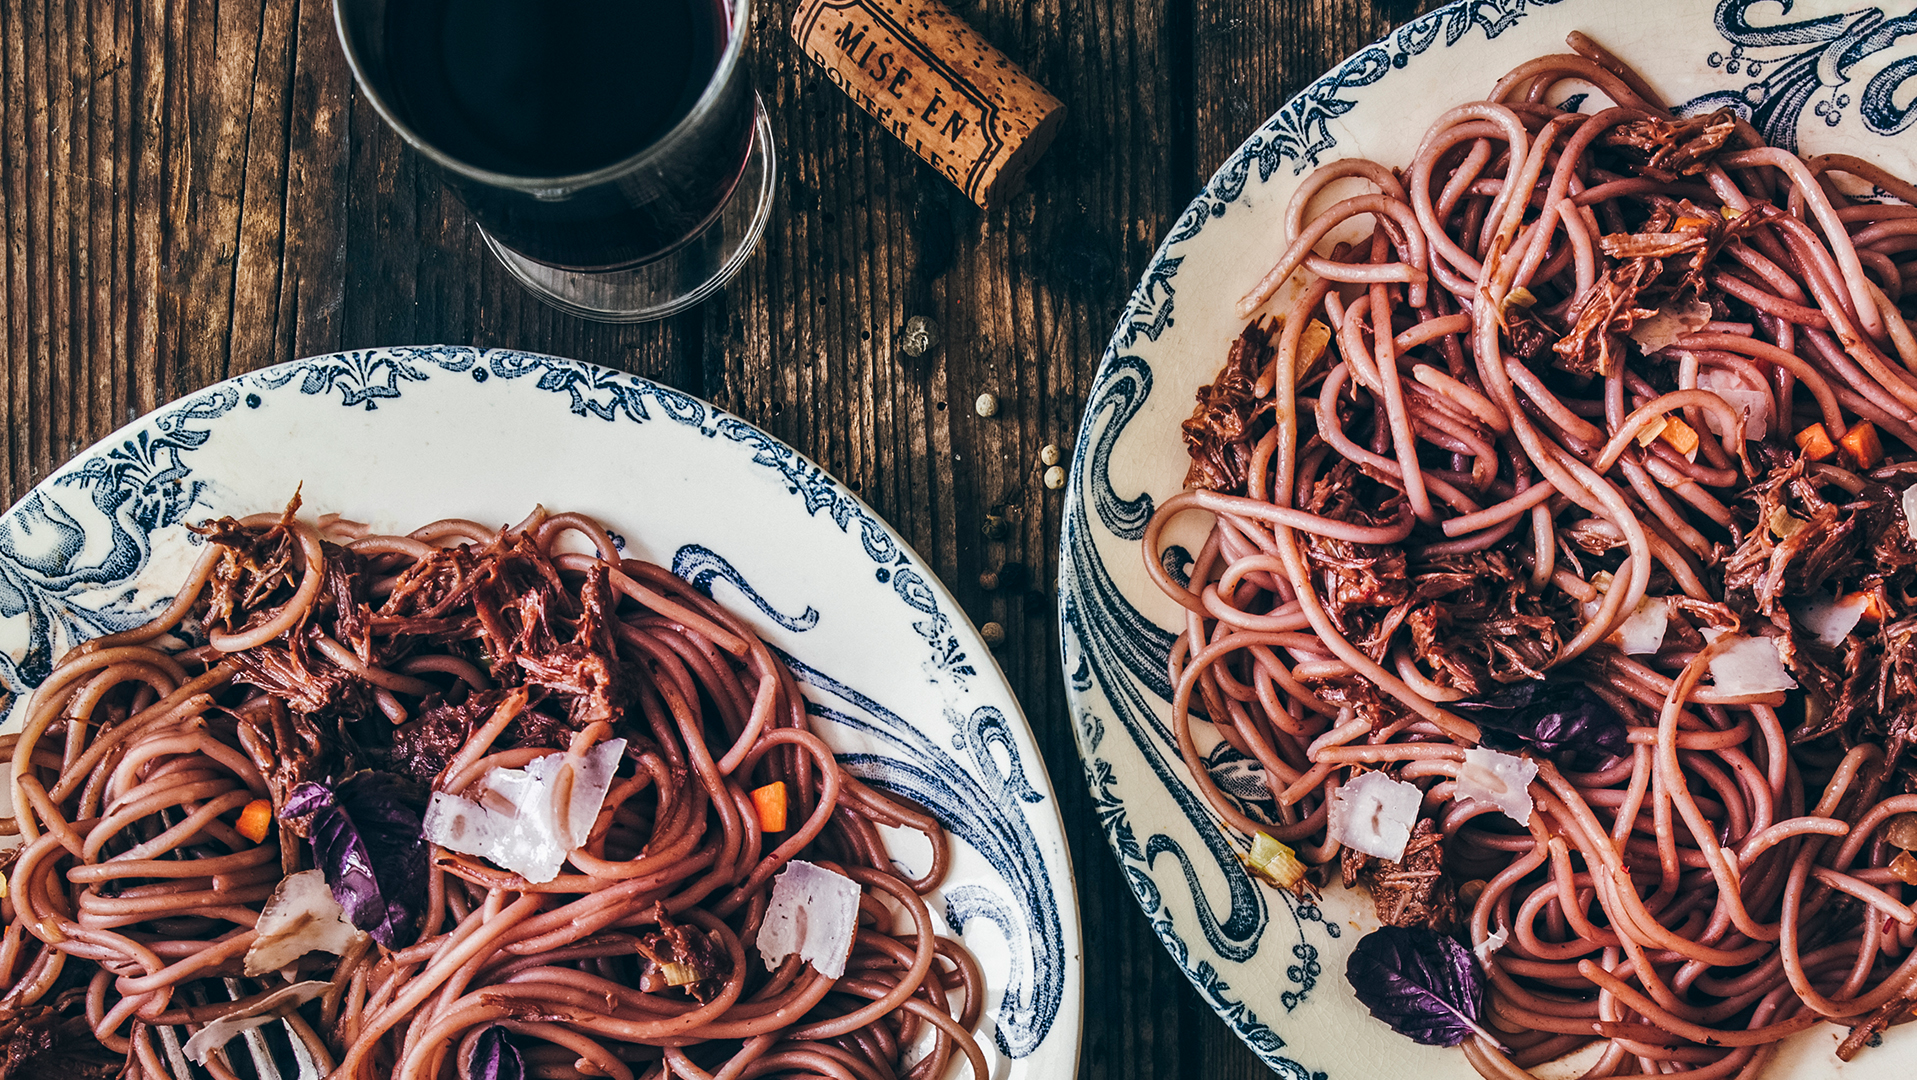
x,y
1803,63
53,572
980,803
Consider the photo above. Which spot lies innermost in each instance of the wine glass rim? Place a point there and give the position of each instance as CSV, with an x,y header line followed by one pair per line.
x,y
554,186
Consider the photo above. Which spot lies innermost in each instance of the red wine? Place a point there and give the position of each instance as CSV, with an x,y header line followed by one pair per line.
x,y
554,89
550,87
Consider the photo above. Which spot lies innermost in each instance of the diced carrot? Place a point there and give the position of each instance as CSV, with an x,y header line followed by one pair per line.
x,y
770,801
1679,434
1689,223
255,820
1875,610
1862,446
1815,442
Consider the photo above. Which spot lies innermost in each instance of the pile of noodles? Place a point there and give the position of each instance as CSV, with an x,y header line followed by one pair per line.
x,y
1466,488
298,653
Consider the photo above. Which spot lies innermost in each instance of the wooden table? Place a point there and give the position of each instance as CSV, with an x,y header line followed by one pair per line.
x,y
193,190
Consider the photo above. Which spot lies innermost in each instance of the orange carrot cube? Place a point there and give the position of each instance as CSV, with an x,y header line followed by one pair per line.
x,y
770,801
255,820
1815,442
1861,445
1681,436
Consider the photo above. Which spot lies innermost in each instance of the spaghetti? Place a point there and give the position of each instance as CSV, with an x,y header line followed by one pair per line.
x,y
306,666
1536,422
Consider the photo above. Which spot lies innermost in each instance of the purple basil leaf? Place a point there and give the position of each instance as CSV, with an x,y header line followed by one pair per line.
x,y
307,798
1422,983
495,1057
1548,717
366,839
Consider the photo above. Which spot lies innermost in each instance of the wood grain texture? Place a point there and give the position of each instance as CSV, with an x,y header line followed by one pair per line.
x,y
191,190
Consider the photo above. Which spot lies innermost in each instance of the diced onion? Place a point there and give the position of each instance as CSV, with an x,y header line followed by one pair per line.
x,y
1274,862
1901,831
1501,780
1374,814
1910,511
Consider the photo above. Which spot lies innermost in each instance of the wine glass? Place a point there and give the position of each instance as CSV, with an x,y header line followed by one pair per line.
x,y
613,152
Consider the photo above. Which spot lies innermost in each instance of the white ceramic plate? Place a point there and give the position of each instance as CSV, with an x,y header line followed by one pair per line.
x,y
1820,75
897,679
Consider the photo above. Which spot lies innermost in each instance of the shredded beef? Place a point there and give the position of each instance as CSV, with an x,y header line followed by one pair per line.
x,y
1219,436
1526,335
426,745
54,1041
255,571
674,943
1800,537
1414,891
289,748
501,603
1673,148
1660,266
1469,617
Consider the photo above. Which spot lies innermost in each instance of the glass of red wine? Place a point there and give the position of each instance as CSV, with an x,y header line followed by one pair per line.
x,y
612,152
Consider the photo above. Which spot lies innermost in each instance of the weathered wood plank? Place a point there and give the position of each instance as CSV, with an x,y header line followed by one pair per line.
x,y
194,189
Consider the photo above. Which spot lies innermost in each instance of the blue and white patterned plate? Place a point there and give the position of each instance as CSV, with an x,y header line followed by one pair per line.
x,y
895,676
1820,75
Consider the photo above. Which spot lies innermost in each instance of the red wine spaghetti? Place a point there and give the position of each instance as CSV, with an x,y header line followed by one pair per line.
x,y
312,701
1590,439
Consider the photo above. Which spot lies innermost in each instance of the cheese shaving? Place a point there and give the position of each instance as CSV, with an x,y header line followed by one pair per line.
x,y
813,912
1501,780
1830,619
1491,944
262,1012
1374,814
533,836
1751,665
300,917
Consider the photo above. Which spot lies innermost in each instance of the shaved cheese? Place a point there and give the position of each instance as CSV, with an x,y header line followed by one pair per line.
x,y
262,1012
1751,665
1502,780
1374,814
533,837
300,917
1491,944
813,912
1642,631
1754,405
1667,326
1910,511
1830,618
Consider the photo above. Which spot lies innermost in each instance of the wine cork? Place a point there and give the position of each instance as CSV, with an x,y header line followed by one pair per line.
x,y
938,86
